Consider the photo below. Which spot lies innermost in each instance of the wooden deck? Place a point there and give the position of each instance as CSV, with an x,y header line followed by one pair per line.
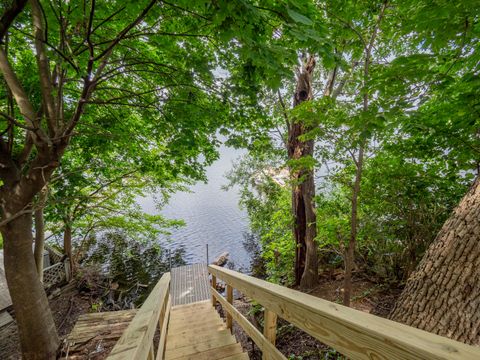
x,y
189,284
196,331
94,335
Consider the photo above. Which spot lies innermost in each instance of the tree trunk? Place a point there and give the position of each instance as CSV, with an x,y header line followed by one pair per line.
x,y
443,295
38,335
303,190
352,243
67,244
39,242
40,235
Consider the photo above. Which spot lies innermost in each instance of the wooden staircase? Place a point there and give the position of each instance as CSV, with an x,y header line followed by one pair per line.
x,y
190,328
196,331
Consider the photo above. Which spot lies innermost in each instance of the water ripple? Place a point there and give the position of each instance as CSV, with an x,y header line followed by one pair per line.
x,y
212,217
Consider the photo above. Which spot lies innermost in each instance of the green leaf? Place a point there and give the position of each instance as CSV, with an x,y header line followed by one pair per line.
x,y
299,18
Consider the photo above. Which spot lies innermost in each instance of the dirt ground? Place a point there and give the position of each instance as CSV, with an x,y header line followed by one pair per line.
x,y
66,307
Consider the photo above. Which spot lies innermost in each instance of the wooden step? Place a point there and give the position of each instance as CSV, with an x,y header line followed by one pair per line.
x,y
173,353
197,305
213,354
196,317
175,340
198,327
196,331
242,356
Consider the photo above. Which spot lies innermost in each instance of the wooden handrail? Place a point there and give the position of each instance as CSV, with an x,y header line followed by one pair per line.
x,y
354,333
136,342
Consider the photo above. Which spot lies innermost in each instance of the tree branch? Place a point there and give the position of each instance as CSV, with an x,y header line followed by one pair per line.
x,y
44,68
125,31
9,15
284,110
14,216
25,106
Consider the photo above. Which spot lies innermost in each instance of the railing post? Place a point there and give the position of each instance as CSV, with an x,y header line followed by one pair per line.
x,y
68,273
162,324
269,329
230,300
214,285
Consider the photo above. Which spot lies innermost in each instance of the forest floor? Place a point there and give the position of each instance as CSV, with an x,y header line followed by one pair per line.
x,y
367,295
66,306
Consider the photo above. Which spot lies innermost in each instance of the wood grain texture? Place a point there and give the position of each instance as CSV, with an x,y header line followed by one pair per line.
x,y
163,326
96,330
197,332
249,328
355,334
230,301
269,329
137,339
214,286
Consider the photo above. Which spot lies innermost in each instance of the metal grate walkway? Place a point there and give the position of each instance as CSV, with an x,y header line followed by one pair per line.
x,y
189,284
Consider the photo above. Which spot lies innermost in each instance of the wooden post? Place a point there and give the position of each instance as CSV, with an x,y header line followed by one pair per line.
x,y
68,273
230,300
214,285
269,329
163,323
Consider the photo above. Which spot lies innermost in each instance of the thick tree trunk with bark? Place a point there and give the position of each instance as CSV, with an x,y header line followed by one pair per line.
x,y
38,335
37,332
24,173
303,191
443,295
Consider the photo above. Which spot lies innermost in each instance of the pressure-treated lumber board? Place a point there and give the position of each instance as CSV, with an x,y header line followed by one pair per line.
x,y
165,318
196,332
218,342
177,341
354,333
248,327
137,339
214,286
243,356
214,354
269,329
230,300
194,317
199,318
198,327
194,306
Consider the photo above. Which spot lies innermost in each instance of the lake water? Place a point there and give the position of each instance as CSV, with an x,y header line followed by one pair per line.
x,y
212,217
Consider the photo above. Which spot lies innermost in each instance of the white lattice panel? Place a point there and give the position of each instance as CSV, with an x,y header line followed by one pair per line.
x,y
55,256
54,275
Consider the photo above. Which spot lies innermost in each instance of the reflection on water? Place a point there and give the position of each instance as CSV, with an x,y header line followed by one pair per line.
x,y
135,267
212,217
